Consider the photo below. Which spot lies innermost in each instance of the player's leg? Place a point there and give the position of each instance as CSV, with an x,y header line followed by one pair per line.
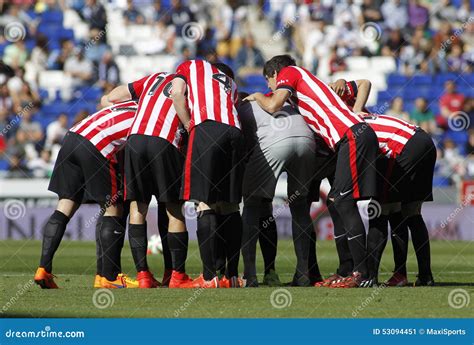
x,y
268,240
421,242
399,233
178,240
376,238
254,208
206,233
163,223
417,162
230,220
355,179
98,253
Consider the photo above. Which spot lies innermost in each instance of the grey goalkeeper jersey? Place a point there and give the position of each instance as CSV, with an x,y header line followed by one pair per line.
x,y
261,128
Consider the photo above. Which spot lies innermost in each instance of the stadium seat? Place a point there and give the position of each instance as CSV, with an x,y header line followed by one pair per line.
x,y
358,63
396,80
442,78
382,64
256,80
52,16
4,164
421,79
459,137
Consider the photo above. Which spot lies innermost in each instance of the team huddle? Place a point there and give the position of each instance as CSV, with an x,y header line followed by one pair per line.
x,y
191,136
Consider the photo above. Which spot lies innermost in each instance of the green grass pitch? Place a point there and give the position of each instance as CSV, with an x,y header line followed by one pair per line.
x,y
453,266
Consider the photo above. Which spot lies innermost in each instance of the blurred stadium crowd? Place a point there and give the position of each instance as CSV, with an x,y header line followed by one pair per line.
x,y
59,56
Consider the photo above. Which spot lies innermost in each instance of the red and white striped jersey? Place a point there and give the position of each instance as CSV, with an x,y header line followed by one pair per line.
x,y
212,95
392,133
156,115
107,129
324,112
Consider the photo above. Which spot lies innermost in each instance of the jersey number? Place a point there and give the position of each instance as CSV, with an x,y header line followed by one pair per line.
x,y
166,89
225,80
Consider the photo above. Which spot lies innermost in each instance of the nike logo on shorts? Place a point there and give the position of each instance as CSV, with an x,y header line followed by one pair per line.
x,y
342,194
351,238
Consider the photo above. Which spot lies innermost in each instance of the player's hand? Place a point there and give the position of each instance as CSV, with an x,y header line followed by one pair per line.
x,y
339,86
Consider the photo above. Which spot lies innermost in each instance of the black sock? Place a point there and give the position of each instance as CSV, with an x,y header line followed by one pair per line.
x,y
137,235
206,233
313,267
112,233
220,250
178,242
232,225
251,230
98,248
302,227
163,222
376,242
356,236
268,239
53,233
346,264
399,231
421,243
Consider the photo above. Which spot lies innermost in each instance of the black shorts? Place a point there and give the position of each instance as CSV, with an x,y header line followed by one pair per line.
x,y
387,177
326,166
81,173
355,174
414,167
214,164
153,166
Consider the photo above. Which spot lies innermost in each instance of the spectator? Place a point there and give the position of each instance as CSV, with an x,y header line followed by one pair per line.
x,y
470,143
33,132
109,73
422,116
25,99
187,32
396,109
445,11
95,47
39,55
58,58
79,117
450,103
15,54
79,68
6,103
160,14
393,44
132,16
249,59
56,131
464,11
370,12
456,61
395,14
454,159
418,14
208,43
41,166
336,63
17,167
94,14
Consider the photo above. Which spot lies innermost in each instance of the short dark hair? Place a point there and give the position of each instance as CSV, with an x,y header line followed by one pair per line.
x,y
224,68
276,64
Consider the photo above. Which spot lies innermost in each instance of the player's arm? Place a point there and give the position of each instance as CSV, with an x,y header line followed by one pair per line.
x,y
178,95
363,91
119,94
272,103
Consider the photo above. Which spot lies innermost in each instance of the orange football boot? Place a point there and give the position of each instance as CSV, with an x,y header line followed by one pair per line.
x,y
45,279
200,282
146,280
97,280
179,280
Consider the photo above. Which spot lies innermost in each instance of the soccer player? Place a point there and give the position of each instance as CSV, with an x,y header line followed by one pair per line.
x,y
204,96
153,166
407,161
354,142
283,143
86,171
